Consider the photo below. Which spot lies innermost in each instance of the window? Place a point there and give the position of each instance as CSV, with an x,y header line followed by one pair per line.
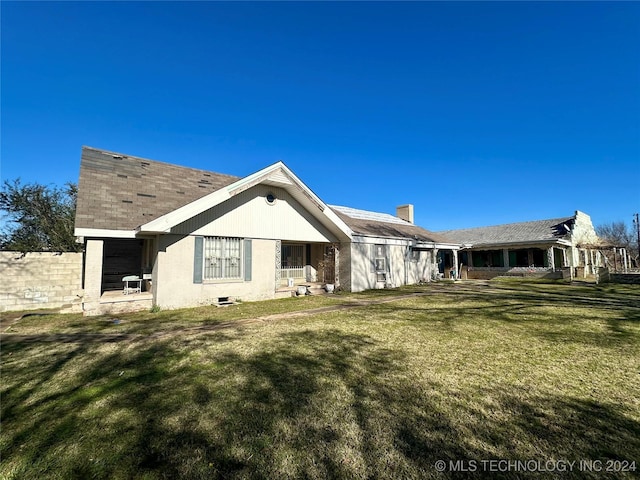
x,y
379,258
222,258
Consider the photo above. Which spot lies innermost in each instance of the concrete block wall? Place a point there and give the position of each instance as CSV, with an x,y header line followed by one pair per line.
x,y
40,280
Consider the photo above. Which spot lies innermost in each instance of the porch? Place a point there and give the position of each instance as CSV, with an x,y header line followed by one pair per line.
x,y
305,263
540,261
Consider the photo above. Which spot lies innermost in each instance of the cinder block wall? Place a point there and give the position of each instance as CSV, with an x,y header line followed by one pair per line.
x,y
40,280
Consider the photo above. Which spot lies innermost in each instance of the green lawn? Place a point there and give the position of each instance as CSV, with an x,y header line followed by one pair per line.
x,y
468,371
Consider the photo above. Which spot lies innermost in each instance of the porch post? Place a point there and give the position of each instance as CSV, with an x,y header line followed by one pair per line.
x,y
336,264
278,264
92,276
456,267
551,261
505,257
572,262
469,258
434,265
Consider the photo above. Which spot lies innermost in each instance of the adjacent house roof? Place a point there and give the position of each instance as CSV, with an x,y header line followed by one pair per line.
x,y
539,231
363,222
121,192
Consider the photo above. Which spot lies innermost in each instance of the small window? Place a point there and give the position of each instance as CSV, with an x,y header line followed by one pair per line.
x,y
270,198
380,258
381,277
415,255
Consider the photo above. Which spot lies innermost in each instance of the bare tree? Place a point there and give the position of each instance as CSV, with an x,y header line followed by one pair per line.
x,y
620,234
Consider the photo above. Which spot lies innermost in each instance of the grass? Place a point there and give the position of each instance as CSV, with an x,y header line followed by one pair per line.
x,y
464,371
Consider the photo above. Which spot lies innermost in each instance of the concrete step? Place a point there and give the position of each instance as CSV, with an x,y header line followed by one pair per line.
x,y
312,289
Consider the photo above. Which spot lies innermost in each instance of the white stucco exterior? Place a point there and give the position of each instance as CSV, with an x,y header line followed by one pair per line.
x,y
173,275
402,266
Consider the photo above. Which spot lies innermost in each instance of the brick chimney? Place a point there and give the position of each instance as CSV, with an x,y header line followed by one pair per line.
x,y
405,212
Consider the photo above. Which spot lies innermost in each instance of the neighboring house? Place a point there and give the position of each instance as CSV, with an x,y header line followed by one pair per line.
x,y
539,248
198,237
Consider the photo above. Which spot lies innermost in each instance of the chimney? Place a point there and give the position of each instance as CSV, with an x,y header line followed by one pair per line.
x,y
405,212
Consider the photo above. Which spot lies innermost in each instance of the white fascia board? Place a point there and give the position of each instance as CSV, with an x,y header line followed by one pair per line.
x,y
337,221
372,239
328,213
440,246
485,246
254,179
103,233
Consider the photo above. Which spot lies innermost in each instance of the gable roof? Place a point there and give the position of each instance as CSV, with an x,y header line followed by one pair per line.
x,y
363,222
276,175
538,231
122,196
122,192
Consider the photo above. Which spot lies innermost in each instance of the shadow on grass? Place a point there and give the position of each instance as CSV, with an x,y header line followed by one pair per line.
x,y
556,313
307,404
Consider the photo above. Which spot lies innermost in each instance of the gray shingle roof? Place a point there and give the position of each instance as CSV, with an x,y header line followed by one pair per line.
x,y
122,192
377,224
522,232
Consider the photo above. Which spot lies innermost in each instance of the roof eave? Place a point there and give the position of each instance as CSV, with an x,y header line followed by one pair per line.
x,y
559,241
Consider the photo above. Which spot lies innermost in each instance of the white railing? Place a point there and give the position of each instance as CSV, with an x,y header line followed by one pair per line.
x,y
296,273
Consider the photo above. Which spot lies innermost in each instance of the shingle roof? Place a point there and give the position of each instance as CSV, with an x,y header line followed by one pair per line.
x,y
122,192
522,232
364,222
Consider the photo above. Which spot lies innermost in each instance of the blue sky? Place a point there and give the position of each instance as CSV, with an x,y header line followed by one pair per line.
x,y
477,113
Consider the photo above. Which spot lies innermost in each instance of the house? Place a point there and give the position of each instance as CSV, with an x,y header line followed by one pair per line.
x,y
550,248
197,237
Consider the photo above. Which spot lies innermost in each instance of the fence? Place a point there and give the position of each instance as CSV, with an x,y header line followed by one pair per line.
x,y
40,280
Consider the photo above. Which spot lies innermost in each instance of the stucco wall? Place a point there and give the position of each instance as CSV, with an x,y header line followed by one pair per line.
x,y
173,275
40,280
401,271
249,215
